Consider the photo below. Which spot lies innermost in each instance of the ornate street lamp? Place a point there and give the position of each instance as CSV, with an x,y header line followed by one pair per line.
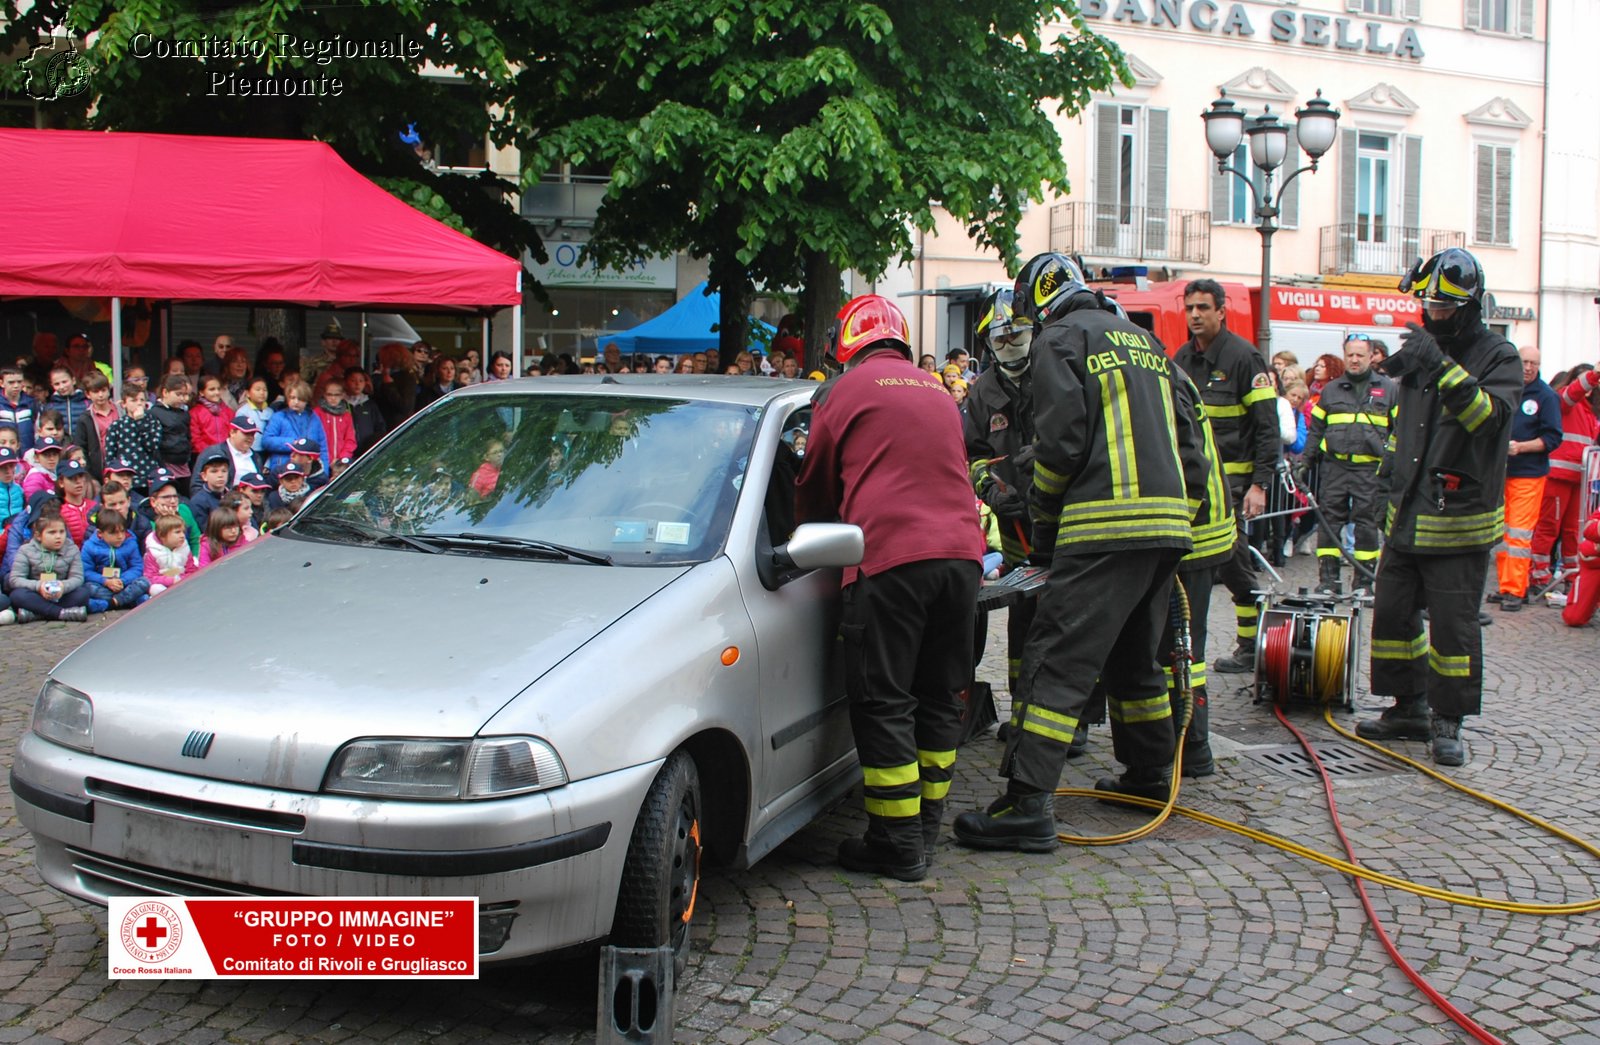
x,y
1316,127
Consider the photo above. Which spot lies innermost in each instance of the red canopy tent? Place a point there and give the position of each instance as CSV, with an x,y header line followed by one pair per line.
x,y
175,217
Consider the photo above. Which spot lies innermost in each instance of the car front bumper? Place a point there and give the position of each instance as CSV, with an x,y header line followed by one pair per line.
x,y
545,867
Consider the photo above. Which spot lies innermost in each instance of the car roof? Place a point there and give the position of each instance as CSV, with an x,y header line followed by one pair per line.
x,y
715,388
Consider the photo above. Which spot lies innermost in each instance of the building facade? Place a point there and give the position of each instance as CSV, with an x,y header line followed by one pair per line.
x,y
1441,142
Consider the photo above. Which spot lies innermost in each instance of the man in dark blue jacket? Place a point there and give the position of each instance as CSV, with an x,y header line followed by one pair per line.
x,y
1535,431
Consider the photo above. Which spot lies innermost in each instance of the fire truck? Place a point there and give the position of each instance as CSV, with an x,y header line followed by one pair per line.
x,y
1306,320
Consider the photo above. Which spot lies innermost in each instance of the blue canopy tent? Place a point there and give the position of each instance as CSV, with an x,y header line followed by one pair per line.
x,y
687,326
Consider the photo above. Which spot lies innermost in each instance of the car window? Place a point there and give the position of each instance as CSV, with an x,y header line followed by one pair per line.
x,y
638,480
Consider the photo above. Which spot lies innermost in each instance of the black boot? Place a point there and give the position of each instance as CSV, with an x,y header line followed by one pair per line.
x,y
893,849
1025,823
1328,575
1144,782
1243,660
1406,719
932,817
1448,747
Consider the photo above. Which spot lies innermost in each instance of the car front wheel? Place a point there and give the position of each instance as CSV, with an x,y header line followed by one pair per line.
x,y
661,876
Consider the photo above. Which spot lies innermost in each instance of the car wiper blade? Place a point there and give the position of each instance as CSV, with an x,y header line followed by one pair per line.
x,y
526,544
375,534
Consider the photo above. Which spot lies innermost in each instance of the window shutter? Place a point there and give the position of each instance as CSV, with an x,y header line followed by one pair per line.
x,y
1413,10
1221,195
1289,211
1347,200
1483,225
1106,125
1411,198
1524,18
1502,196
1474,18
1155,184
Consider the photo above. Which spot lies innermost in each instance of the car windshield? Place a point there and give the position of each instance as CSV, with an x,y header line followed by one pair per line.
x,y
591,478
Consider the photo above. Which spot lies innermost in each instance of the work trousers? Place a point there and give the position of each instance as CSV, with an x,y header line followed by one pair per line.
x,y
1100,617
1584,598
1349,494
1238,574
907,646
1514,558
1197,587
33,602
1559,516
1446,662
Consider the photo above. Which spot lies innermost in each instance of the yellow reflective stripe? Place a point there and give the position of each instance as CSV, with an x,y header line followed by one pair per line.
x,y
1197,674
1246,611
1030,726
935,790
1053,716
1452,376
1174,506
1364,556
1216,410
896,807
1400,649
1451,667
891,776
1120,447
1456,522
1077,533
1356,458
1238,467
937,759
1172,436
1375,420
1259,395
1318,412
1046,480
1152,709
1477,412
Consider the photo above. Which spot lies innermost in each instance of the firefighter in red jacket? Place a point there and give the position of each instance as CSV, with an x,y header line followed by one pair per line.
x,y
885,453
1563,489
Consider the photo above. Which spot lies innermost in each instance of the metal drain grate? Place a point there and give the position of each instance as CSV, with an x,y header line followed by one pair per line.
x,y
1341,762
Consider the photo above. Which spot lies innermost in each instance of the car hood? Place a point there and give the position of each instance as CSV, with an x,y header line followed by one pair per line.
x,y
289,648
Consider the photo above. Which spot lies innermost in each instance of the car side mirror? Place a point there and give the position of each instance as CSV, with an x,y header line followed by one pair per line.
x,y
820,546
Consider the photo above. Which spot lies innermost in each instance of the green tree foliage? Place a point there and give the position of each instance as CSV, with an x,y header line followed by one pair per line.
x,y
244,50
787,140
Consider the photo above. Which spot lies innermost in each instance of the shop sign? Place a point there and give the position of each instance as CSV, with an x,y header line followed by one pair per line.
x,y
570,267
1283,25
1344,307
1511,312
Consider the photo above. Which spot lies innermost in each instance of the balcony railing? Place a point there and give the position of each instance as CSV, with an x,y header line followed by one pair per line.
x,y
1372,247
573,201
1102,231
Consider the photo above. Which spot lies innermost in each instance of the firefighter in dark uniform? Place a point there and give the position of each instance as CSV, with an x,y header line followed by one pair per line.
x,y
1117,459
1241,402
1212,531
1349,427
1457,385
885,454
998,427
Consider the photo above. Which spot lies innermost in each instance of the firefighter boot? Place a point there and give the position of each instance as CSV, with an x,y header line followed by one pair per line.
x,y
1328,575
1021,820
1080,741
1448,747
1152,782
932,817
1243,660
1405,719
891,847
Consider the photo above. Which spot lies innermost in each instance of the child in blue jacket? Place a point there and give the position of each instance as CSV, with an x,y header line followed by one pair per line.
x,y
113,565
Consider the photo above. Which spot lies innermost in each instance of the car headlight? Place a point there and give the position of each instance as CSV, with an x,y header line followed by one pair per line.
x,y
487,767
64,715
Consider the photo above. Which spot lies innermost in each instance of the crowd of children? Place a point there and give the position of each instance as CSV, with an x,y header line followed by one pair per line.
x,y
176,489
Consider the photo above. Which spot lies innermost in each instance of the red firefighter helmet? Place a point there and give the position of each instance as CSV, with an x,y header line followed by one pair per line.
x,y
865,321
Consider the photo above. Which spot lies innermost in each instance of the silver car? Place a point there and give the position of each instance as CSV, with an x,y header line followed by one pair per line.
x,y
551,644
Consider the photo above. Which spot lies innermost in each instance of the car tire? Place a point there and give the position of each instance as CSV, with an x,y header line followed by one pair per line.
x,y
661,876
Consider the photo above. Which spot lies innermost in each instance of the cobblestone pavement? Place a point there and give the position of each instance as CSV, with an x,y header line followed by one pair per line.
x,y
1189,935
